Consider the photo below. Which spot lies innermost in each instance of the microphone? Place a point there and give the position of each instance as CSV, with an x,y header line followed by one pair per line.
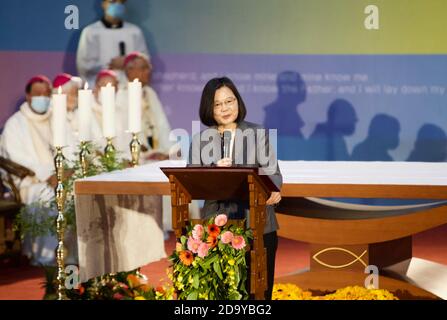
x,y
122,48
226,143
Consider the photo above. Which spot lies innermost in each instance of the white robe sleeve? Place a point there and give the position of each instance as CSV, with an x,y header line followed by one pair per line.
x,y
88,56
161,122
140,43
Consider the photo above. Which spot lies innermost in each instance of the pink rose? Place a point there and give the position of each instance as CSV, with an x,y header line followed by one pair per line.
x,y
123,285
227,237
203,250
197,232
220,220
238,242
193,244
118,296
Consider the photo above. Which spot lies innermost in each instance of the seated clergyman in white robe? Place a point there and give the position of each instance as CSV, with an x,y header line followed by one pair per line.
x,y
104,43
27,140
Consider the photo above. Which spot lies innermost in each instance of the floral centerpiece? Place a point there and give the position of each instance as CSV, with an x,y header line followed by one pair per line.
x,y
209,262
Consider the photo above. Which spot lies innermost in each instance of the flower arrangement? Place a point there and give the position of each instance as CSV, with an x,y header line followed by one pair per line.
x,y
120,286
293,292
209,261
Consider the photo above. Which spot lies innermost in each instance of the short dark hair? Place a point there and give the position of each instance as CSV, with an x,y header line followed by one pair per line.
x,y
206,110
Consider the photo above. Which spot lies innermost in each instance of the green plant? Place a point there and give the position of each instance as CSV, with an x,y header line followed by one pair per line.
x,y
38,219
209,261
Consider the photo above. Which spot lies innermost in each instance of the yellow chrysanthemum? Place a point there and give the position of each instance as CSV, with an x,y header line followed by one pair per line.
x,y
293,292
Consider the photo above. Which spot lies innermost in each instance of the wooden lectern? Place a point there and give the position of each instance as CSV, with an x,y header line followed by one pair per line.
x,y
225,183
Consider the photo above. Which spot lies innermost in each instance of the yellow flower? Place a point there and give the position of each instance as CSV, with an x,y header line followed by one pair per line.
x,y
231,262
139,298
293,292
203,296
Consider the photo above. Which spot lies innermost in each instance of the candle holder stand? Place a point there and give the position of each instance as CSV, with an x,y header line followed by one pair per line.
x,y
60,223
83,154
135,149
109,150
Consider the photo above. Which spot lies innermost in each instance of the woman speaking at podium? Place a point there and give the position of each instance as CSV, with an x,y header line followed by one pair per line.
x,y
233,141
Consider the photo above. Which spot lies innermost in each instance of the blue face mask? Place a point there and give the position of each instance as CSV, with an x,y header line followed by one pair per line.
x,y
40,104
116,10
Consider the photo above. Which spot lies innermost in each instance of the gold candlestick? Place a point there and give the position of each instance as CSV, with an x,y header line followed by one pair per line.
x,y
135,149
60,223
110,149
83,157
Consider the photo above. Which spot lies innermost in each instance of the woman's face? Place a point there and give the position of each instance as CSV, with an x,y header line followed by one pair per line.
x,y
226,107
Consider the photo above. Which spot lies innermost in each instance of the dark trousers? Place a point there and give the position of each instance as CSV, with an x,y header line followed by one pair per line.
x,y
271,245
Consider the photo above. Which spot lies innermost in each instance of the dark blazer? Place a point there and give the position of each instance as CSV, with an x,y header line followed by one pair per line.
x,y
208,152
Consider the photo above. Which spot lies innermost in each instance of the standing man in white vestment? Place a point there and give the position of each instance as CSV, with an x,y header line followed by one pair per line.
x,y
27,140
104,44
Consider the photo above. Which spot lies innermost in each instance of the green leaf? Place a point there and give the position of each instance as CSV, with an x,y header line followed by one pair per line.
x,y
209,261
234,296
221,246
217,269
192,296
196,281
237,277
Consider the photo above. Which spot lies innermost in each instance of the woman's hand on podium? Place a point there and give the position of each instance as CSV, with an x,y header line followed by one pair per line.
x,y
275,198
225,162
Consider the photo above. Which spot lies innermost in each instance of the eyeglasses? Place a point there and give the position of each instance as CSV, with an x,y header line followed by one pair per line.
x,y
227,103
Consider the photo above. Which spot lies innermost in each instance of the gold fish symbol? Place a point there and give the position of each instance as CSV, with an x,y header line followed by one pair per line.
x,y
356,258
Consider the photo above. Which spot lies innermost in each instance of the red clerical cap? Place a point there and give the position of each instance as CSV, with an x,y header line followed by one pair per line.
x,y
106,73
39,78
133,55
61,79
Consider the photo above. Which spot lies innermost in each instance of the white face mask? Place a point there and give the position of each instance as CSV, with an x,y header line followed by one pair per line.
x,y
40,104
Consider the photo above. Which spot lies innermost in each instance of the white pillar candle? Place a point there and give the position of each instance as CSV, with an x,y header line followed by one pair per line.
x,y
59,119
85,98
134,99
108,110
